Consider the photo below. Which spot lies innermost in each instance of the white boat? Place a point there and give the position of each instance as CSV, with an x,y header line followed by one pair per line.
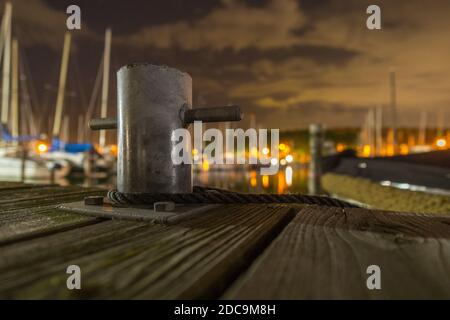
x,y
35,168
75,159
81,164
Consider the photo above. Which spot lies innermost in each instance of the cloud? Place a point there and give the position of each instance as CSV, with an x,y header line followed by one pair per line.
x,y
234,25
281,55
311,111
412,41
35,23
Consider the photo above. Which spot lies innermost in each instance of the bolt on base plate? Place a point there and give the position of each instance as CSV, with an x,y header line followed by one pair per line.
x,y
179,213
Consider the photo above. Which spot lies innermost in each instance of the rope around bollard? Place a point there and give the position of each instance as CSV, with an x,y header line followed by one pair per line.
x,y
206,195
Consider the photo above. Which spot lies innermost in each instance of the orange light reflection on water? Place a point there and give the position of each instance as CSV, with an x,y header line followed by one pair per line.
x,y
289,179
265,181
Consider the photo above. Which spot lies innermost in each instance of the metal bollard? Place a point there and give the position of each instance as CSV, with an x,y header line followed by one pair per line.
x,y
153,101
315,165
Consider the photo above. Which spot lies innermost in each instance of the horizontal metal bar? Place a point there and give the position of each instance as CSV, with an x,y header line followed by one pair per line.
x,y
103,123
214,114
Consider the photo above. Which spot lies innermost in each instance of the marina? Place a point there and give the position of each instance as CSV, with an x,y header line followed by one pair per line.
x,y
159,186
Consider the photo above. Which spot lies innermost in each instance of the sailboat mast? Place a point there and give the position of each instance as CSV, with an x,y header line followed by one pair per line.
x,y
423,128
5,22
62,85
80,133
105,84
372,131
6,28
379,129
393,93
15,89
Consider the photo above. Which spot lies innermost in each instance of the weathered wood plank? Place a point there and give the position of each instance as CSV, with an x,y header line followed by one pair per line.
x,y
324,253
30,212
198,258
6,186
31,192
35,222
42,195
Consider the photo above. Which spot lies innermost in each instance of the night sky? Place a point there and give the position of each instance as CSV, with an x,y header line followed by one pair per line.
x,y
289,62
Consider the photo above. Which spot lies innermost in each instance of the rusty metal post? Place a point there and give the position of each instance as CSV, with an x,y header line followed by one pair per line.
x,y
150,99
315,164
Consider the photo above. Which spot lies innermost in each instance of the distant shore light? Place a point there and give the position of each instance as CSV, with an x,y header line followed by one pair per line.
x,y
42,147
441,143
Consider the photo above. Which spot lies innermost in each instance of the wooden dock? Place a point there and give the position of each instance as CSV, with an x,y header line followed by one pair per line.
x,y
232,252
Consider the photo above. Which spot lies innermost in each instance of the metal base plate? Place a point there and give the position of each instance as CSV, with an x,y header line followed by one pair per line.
x,y
180,213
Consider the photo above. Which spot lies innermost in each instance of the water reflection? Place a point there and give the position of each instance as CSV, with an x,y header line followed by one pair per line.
x,y
288,173
289,179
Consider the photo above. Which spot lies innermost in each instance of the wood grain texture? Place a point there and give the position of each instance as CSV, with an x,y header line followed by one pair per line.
x,y
19,198
324,254
198,258
5,185
234,251
28,211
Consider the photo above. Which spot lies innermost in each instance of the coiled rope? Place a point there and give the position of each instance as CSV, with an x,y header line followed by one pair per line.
x,y
206,195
